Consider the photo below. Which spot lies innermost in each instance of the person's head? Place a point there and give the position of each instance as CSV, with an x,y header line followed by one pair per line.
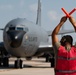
x,y
67,39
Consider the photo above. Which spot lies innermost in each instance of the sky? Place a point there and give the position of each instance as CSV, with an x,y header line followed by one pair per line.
x,y
51,12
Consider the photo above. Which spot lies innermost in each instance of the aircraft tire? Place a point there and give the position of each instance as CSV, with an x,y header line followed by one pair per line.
x,y
21,65
52,62
18,64
15,64
47,59
0,61
5,62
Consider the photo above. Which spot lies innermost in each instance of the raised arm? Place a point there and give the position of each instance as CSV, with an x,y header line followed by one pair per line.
x,y
56,30
73,22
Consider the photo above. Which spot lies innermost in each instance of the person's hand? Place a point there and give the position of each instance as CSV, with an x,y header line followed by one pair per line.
x,y
73,22
71,19
63,19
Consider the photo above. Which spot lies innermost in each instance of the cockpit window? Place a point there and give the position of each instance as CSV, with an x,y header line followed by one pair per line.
x,y
19,28
16,28
11,28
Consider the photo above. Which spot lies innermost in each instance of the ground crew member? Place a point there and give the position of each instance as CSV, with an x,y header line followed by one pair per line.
x,y
65,52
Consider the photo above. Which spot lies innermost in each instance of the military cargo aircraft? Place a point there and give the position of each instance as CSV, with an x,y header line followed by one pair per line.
x,y
22,38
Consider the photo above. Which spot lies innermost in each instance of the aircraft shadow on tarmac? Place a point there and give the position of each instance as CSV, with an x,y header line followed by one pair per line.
x,y
35,63
11,66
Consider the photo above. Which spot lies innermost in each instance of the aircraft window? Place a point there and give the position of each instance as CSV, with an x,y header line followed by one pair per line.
x,y
19,28
11,28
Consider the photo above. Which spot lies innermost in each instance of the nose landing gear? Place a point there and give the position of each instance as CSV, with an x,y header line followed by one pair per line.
x,y
18,63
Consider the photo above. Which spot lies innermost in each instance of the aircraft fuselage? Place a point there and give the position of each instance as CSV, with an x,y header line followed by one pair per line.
x,y
22,37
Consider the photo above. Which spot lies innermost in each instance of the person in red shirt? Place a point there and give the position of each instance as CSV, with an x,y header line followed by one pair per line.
x,y
65,52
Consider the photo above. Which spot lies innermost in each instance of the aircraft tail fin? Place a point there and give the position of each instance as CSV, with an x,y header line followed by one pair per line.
x,y
38,21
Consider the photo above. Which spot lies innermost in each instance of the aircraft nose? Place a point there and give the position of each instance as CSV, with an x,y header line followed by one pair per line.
x,y
15,38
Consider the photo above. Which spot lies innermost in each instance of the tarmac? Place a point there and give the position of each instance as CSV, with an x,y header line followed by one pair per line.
x,y
37,66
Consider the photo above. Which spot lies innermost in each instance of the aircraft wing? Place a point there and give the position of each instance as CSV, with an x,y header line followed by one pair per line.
x,y
2,46
61,32
2,49
1,28
45,49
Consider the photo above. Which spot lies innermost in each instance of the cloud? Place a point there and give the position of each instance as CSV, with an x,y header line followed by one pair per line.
x,y
6,7
53,15
33,7
24,15
22,3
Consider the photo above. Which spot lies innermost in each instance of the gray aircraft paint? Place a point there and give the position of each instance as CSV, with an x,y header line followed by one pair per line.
x,y
31,39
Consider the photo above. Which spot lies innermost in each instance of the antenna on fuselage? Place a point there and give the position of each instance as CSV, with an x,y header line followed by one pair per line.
x,y
38,21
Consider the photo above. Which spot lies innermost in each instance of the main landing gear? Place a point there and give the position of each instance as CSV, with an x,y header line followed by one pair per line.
x,y
52,61
50,58
4,62
18,63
